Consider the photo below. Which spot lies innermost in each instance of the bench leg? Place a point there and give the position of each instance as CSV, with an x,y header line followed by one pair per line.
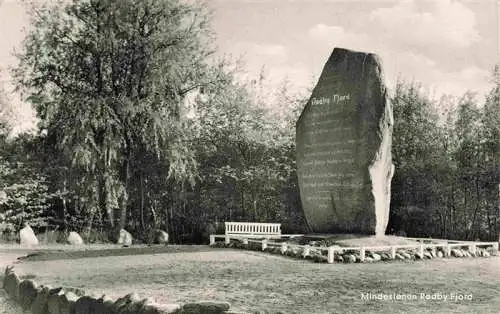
x,y
212,239
495,249
227,240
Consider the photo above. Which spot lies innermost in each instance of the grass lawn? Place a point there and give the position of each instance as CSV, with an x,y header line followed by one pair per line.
x,y
253,281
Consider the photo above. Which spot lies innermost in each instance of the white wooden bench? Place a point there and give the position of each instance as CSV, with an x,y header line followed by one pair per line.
x,y
253,229
243,230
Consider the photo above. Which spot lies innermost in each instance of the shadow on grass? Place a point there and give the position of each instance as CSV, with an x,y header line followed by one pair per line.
x,y
51,255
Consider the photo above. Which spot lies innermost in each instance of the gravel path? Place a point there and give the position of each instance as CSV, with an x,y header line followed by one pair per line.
x,y
251,281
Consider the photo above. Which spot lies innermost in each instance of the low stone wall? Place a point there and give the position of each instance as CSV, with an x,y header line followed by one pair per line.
x,y
40,299
317,255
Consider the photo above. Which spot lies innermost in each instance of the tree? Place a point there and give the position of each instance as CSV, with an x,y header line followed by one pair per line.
x,y
491,148
108,80
419,159
247,154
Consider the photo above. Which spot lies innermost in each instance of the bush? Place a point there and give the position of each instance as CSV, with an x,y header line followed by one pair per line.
x,y
51,237
95,236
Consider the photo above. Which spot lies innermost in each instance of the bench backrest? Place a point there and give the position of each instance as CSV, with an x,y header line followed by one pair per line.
x,y
252,228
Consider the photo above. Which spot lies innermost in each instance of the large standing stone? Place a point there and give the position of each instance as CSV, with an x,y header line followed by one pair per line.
x,y
27,236
344,134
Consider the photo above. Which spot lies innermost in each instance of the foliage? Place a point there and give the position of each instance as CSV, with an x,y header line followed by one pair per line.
x,y
24,184
140,128
247,162
108,80
447,178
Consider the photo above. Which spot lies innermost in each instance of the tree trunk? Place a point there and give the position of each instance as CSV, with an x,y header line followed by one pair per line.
x,y
143,225
496,223
124,201
474,217
64,205
243,203
465,210
452,212
90,220
254,203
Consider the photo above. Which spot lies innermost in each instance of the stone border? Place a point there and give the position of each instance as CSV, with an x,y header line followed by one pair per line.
x,y
40,299
362,255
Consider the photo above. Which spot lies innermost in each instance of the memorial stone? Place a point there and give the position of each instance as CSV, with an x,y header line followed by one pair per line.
x,y
344,136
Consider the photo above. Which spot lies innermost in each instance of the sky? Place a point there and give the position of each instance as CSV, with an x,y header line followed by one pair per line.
x,y
448,46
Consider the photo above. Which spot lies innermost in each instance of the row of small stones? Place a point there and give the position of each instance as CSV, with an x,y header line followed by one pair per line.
x,y
47,300
355,257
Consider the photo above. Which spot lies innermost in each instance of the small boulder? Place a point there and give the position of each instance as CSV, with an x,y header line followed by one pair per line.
x,y
456,253
28,290
314,252
206,307
11,284
350,258
40,304
86,305
399,257
125,238
368,259
63,302
74,238
136,306
54,301
406,255
486,253
439,254
67,302
385,256
107,301
162,308
376,257
320,259
124,302
338,258
28,237
161,237
428,255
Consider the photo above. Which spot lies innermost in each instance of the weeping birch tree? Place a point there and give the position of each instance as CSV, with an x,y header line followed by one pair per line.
x,y
108,80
